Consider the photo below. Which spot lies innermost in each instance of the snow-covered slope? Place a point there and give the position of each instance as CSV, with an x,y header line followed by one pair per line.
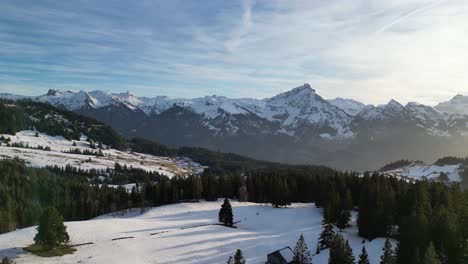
x,y
300,113
186,233
58,145
456,105
352,107
419,171
302,106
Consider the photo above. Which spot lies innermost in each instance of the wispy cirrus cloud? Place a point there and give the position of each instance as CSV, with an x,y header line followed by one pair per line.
x,y
369,50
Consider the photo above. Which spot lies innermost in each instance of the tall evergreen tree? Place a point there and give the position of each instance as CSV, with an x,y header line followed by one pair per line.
x,y
349,257
327,236
225,213
239,258
388,255
343,219
301,252
340,252
51,231
430,257
363,258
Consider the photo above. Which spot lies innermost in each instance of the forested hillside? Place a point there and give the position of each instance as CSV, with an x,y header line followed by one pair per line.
x,y
414,214
21,115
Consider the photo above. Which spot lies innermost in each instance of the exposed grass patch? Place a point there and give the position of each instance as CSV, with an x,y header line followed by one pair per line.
x,y
56,252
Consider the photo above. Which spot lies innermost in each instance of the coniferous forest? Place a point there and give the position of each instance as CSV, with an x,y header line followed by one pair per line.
x,y
425,212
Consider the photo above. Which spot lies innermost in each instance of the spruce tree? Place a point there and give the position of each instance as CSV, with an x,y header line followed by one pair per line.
x,y
230,260
349,257
430,257
388,255
225,213
239,258
326,237
363,258
51,231
6,260
340,252
301,252
343,219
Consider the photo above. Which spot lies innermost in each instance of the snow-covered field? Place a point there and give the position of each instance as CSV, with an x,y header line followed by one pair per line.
x,y
430,172
39,158
184,233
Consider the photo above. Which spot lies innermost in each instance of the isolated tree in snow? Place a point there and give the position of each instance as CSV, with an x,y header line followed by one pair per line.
x,y
225,213
363,258
388,255
430,257
51,231
301,252
239,258
326,237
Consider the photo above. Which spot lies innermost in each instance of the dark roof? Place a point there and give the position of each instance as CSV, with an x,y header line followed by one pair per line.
x,y
286,254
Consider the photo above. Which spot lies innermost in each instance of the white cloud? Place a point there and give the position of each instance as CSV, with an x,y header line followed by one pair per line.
x,y
369,50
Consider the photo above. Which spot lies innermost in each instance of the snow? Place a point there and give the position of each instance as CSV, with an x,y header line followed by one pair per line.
x,y
185,233
291,109
457,105
39,158
430,172
287,254
350,106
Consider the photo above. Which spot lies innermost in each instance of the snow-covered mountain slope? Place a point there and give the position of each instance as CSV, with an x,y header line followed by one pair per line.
x,y
295,110
302,106
352,107
187,233
299,107
417,171
456,105
57,156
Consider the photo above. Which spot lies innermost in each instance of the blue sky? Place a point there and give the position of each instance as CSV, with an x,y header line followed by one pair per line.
x,y
368,50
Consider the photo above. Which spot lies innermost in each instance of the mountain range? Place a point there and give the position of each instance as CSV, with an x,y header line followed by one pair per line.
x,y
297,126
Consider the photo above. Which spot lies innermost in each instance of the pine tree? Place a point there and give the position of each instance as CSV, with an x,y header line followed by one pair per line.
x,y
301,252
326,237
363,258
343,220
239,258
225,213
349,257
6,260
388,256
340,252
430,257
230,260
51,231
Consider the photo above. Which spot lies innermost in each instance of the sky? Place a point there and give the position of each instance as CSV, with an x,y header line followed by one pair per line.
x,y
367,50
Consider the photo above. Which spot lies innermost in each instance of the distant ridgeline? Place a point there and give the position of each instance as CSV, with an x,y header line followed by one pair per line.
x,y
21,115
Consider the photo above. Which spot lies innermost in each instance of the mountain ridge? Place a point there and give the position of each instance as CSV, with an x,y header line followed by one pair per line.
x,y
296,126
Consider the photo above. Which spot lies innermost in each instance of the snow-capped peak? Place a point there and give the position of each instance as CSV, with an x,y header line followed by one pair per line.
x,y
456,105
350,106
394,104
